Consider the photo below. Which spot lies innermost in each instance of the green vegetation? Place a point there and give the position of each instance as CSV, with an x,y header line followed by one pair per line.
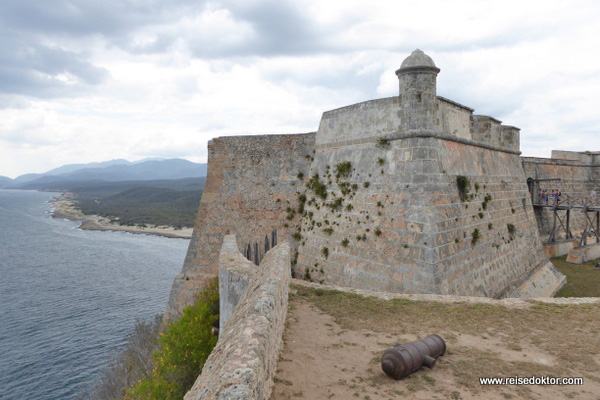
x,y
511,230
475,236
162,361
583,280
463,184
145,205
301,202
184,348
345,242
325,252
343,169
485,202
317,187
382,144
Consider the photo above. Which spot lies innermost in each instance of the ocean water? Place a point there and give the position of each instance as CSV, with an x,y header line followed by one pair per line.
x,y
69,297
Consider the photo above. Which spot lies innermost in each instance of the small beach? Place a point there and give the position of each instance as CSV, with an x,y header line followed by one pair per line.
x,y
64,207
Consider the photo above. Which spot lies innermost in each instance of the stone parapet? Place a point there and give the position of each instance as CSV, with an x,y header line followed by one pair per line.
x,y
242,364
235,274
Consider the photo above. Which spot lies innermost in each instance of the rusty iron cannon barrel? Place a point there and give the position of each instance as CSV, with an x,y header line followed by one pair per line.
x,y
404,359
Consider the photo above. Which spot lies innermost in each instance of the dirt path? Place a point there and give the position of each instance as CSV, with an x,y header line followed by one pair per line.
x,y
336,353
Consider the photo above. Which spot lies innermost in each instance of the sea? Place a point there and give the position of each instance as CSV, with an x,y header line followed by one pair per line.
x,y
69,297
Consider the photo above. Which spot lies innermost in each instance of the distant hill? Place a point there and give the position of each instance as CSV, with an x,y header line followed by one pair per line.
x,y
5,181
69,168
146,205
86,189
109,171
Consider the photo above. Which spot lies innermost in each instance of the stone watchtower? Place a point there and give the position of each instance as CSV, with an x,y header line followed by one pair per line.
x,y
417,76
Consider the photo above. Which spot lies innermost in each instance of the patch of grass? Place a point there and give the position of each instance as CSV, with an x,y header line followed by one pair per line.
x,y
582,279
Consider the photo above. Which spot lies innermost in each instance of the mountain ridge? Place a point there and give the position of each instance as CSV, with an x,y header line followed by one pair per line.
x,y
117,170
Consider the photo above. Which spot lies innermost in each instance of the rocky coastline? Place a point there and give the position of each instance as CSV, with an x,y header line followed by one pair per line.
x,y
64,207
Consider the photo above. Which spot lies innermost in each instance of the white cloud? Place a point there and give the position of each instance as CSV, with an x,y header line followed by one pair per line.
x,y
164,78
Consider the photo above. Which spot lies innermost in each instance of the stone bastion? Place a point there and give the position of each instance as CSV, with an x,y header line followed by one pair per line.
x,y
408,194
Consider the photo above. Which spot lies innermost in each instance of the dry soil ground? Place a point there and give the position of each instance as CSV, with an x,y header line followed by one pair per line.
x,y
334,342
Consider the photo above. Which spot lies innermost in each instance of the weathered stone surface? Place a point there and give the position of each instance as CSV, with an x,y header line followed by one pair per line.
x,y
235,274
579,255
251,182
243,363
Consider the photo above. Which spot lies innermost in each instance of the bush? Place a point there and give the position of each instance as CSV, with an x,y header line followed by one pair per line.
x,y
184,348
462,182
475,236
343,169
317,187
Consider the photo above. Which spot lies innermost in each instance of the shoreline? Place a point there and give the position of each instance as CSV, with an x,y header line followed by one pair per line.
x,y
63,207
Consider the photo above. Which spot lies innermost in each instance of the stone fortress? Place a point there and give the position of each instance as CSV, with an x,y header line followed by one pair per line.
x,y
408,194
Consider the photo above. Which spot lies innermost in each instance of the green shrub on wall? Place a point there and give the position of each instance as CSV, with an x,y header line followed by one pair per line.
x,y
184,348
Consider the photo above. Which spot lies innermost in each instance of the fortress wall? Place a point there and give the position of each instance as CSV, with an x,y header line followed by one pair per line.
x,y
578,176
251,181
425,240
360,122
454,119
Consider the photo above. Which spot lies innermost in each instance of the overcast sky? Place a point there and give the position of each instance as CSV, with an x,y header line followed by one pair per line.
x,y
94,80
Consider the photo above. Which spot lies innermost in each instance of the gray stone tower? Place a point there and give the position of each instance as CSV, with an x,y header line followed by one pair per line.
x,y
417,76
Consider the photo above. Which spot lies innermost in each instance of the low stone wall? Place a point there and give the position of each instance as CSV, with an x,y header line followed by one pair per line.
x,y
580,255
235,274
242,364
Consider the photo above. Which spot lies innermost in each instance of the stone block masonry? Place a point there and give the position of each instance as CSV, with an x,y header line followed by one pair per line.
x,y
242,365
251,184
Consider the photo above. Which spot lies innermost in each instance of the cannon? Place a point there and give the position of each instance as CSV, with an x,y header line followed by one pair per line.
x,y
404,359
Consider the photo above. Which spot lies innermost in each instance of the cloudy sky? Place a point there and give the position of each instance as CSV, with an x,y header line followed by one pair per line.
x,y
94,80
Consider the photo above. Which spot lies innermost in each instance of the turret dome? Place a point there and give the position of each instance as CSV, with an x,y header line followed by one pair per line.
x,y
418,59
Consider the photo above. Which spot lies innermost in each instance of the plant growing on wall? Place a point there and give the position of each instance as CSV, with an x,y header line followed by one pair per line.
x,y
511,230
475,236
317,187
343,169
462,183
382,144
